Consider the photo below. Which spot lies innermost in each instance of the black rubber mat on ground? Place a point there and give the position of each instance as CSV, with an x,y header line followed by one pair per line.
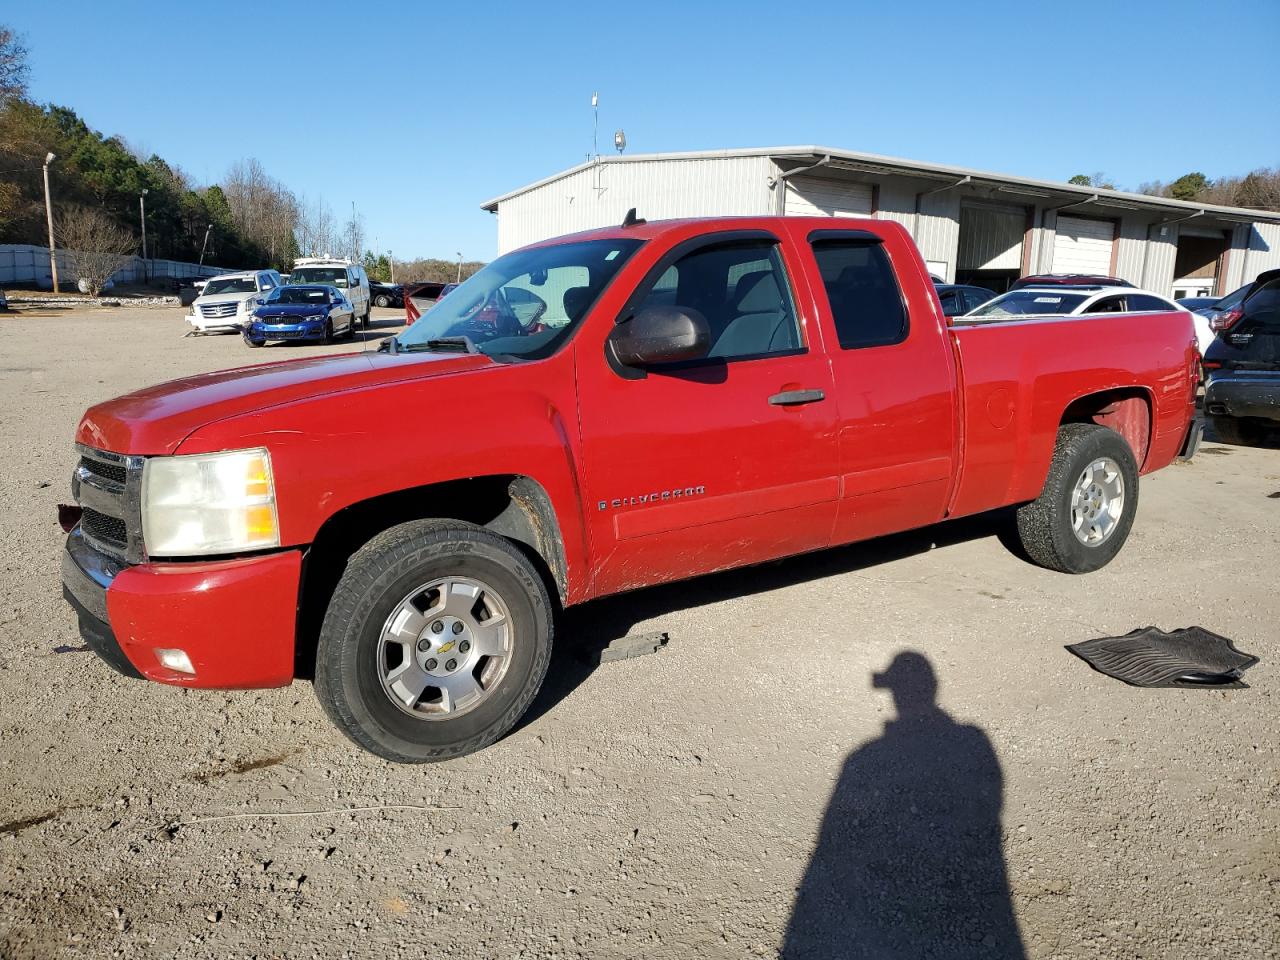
x,y
1192,657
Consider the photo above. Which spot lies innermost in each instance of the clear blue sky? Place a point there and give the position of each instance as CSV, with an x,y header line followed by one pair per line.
x,y
420,111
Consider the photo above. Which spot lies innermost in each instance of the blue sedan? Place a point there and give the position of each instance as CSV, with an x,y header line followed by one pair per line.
x,y
303,312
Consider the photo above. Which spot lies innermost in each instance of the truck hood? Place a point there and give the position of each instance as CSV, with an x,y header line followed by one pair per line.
x,y
157,419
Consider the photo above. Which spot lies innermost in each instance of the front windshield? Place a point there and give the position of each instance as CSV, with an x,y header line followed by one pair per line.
x,y
305,295
334,276
230,285
1022,303
524,304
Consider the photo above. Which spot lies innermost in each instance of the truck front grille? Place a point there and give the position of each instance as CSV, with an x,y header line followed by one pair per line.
x,y
217,311
108,488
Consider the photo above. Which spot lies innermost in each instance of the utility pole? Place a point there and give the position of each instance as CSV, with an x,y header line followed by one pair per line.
x,y
48,209
355,254
204,246
459,280
142,205
391,258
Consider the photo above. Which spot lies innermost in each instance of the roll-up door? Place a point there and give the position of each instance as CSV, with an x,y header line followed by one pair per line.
x,y
1083,246
814,196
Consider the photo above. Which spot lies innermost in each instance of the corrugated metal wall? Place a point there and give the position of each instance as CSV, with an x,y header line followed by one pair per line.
x,y
816,196
727,186
992,236
600,195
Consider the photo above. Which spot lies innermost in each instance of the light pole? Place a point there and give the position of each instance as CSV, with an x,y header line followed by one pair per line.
x,y
142,205
391,258
48,209
204,246
459,280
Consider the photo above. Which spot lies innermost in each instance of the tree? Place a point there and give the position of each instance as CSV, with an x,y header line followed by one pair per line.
x,y
1081,180
13,66
96,247
1099,179
1188,186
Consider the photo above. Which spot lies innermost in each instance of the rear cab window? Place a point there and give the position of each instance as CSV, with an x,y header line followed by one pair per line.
x,y
862,290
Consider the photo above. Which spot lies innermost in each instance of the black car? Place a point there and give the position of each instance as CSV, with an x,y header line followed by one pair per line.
x,y
1242,391
958,299
386,294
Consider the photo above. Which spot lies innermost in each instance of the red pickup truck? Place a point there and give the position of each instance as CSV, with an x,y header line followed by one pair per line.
x,y
589,415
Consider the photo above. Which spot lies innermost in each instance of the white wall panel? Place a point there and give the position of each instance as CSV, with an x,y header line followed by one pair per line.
x,y
816,197
1083,246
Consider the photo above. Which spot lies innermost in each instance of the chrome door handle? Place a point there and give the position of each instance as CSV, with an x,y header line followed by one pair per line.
x,y
794,398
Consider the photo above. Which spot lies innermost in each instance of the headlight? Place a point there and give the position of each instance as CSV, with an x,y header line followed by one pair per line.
x,y
209,503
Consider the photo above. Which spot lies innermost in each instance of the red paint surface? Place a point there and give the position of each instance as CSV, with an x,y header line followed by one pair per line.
x,y
234,618
951,421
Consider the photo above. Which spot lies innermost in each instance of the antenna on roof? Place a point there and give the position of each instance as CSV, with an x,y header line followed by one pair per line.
x,y
631,220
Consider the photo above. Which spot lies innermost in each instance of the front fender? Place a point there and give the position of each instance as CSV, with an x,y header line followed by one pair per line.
x,y
336,450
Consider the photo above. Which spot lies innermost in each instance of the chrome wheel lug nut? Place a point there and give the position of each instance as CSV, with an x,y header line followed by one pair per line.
x,y
451,665
458,627
437,627
424,644
431,664
464,646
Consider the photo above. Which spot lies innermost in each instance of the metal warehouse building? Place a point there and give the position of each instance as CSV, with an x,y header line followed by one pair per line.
x,y
971,227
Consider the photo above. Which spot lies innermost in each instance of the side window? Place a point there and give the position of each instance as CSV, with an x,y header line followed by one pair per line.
x,y
953,303
977,297
1107,305
265,281
1140,302
742,290
862,289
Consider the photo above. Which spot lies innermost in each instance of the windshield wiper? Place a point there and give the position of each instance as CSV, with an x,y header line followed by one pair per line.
x,y
444,345
389,345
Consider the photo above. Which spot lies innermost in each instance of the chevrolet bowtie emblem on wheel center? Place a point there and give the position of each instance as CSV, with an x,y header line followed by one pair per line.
x,y
657,496
446,647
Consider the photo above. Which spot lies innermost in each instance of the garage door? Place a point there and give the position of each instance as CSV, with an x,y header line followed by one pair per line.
x,y
814,196
1083,246
991,237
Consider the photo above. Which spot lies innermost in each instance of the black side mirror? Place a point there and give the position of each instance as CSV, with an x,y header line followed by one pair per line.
x,y
260,302
661,335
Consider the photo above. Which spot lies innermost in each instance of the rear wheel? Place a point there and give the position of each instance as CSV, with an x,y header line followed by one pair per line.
x,y
435,642
382,300
1085,511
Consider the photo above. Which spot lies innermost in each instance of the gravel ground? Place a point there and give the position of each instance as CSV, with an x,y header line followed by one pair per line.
x,y
728,796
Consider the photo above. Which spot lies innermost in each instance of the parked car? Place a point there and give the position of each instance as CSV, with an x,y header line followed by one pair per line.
x,y
295,312
4,301
386,294
421,296
959,299
1074,301
1242,390
1068,280
348,277
664,415
1201,305
227,301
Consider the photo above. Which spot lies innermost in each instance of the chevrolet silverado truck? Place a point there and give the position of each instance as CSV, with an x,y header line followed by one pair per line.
x,y
589,415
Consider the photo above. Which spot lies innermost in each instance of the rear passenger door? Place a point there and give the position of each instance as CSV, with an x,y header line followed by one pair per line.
x,y
728,460
894,383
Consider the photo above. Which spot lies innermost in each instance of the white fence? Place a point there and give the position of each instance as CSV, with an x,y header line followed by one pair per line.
x,y
27,265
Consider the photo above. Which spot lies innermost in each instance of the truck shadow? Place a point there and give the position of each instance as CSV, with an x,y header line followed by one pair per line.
x,y
584,631
909,860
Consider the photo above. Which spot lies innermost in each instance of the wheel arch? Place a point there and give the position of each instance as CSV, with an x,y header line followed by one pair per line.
x,y
1129,411
514,506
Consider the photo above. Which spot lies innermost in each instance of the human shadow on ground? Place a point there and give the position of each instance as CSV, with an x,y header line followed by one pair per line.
x,y
909,862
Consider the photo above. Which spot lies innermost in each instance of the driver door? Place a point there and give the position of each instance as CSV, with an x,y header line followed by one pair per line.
x,y
719,462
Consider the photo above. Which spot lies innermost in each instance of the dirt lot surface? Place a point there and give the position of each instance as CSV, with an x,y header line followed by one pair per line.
x,y
744,791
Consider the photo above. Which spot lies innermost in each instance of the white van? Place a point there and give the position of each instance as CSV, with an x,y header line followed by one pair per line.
x,y
348,277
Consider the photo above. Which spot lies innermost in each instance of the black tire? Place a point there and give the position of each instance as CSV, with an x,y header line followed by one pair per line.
x,y
255,343
377,577
350,332
1044,525
327,337
1241,433
382,300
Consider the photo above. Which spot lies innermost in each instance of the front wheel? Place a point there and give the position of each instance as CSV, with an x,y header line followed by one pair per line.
x,y
382,300
327,336
435,642
1085,511
254,343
